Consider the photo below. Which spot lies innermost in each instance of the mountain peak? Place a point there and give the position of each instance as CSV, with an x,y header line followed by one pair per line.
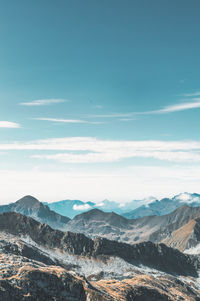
x,y
91,213
187,197
183,208
97,213
30,206
28,201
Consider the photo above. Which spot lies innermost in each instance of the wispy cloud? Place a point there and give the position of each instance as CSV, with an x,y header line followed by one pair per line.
x,y
60,120
192,102
189,101
111,115
197,93
9,125
97,106
178,107
43,102
115,156
126,119
92,150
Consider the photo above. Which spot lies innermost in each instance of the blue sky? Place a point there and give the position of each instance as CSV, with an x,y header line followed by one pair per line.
x,y
99,99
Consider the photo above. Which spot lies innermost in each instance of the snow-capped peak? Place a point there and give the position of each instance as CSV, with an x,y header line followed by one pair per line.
x,y
187,197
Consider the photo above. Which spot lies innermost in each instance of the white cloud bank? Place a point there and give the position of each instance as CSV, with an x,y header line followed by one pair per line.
x,y
114,156
9,125
43,102
92,150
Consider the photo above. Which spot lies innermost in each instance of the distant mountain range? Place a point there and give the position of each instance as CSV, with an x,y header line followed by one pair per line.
x,y
178,229
164,206
131,210
71,208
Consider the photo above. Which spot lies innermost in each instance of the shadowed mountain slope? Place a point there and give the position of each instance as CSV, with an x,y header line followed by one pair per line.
x,y
112,226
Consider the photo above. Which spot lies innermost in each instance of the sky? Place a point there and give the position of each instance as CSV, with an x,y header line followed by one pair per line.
x,y
99,99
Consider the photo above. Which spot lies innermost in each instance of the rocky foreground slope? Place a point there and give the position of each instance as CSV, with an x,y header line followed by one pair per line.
x,y
32,281
132,210
39,263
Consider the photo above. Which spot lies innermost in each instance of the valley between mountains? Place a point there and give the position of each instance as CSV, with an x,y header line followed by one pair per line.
x,y
100,255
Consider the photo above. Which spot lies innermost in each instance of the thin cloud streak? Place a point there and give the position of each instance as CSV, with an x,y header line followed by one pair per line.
x,y
9,125
43,102
194,104
192,94
110,115
127,119
179,107
177,157
97,106
94,144
60,120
